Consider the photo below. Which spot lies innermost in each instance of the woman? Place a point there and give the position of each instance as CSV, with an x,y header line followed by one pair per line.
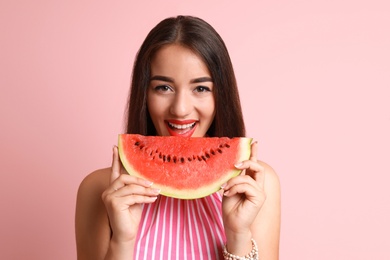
x,y
183,84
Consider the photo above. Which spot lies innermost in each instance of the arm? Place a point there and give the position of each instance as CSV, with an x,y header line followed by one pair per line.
x,y
251,209
92,224
266,227
108,212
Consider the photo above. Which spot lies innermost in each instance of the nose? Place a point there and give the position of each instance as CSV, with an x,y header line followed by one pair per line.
x,y
181,105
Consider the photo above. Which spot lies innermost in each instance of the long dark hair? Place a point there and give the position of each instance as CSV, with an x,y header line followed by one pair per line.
x,y
197,35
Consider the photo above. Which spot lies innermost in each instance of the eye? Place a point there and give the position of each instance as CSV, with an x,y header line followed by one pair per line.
x,y
202,89
162,88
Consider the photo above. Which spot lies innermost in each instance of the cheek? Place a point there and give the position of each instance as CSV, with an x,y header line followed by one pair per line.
x,y
151,103
156,107
209,107
153,111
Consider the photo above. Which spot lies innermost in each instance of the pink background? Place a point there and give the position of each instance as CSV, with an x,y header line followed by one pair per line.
x,y
315,87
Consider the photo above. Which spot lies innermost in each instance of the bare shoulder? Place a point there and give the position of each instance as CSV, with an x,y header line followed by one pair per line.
x,y
271,177
89,194
91,222
95,182
267,224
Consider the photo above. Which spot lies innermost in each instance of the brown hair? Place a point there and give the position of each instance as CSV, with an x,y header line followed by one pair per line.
x,y
197,35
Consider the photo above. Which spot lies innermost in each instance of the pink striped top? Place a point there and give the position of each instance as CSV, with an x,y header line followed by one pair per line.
x,y
181,229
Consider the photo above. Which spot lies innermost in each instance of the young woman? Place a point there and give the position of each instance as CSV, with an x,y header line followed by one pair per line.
x,y
183,84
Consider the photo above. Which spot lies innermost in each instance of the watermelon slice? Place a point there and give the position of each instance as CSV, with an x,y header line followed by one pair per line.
x,y
183,167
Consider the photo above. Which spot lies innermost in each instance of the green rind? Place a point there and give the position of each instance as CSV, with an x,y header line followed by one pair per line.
x,y
244,151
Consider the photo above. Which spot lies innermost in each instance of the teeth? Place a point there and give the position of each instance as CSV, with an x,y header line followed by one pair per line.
x,y
181,126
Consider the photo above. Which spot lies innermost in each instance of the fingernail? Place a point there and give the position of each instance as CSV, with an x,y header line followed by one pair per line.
x,y
148,183
226,193
238,165
157,191
223,185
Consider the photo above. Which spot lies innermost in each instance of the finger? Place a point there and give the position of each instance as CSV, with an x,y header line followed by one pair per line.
x,y
253,157
115,168
123,203
243,188
125,179
250,165
260,176
253,151
241,179
134,189
136,199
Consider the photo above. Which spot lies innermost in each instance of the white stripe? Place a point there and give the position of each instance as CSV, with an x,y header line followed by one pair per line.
x,y
170,229
197,220
142,231
205,233
219,212
210,232
156,227
185,238
217,217
189,226
211,228
163,231
148,235
177,230
220,220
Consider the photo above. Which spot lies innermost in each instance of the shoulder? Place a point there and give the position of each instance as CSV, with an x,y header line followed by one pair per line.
x,y
91,221
271,178
267,227
96,181
91,189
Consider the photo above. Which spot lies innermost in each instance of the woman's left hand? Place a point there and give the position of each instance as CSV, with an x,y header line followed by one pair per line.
x,y
244,195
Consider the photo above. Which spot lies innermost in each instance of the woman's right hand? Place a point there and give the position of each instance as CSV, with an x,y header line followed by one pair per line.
x,y
123,200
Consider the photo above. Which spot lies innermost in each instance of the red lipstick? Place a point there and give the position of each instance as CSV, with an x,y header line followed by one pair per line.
x,y
183,128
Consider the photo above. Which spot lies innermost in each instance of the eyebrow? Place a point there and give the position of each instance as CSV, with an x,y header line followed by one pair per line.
x,y
162,78
168,79
202,79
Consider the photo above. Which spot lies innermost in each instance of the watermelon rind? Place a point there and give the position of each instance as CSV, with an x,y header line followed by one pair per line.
x,y
169,189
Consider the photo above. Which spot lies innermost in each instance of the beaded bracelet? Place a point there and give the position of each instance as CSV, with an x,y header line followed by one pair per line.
x,y
253,254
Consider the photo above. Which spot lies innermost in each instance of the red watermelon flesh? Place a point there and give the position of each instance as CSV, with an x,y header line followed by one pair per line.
x,y
183,167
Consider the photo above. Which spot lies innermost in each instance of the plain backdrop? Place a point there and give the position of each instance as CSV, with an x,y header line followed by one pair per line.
x,y
315,88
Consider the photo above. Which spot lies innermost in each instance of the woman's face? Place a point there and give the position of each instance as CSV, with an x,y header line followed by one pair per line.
x,y
180,95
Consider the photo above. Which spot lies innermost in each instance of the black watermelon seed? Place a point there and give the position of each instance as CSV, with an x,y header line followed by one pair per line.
x,y
141,146
219,150
227,145
160,155
199,159
174,159
164,158
182,160
204,158
136,143
207,155
168,158
220,146
189,159
212,152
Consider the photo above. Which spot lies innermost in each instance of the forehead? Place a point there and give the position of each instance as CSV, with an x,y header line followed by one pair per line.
x,y
175,59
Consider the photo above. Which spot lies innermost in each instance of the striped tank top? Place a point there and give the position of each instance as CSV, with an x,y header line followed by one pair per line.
x,y
181,229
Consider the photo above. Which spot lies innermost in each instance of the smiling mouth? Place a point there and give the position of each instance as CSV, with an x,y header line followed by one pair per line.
x,y
184,128
181,127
